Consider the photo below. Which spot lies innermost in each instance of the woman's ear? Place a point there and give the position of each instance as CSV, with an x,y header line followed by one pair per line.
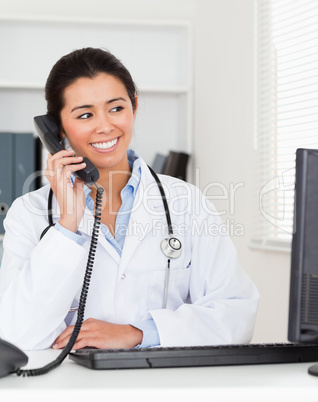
x,y
63,135
136,105
65,142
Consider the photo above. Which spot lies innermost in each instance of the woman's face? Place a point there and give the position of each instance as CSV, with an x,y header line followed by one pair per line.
x,y
98,120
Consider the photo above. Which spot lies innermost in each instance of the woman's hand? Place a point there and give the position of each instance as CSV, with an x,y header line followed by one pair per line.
x,y
71,199
101,335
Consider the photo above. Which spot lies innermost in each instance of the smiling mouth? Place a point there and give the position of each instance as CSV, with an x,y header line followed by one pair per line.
x,y
104,145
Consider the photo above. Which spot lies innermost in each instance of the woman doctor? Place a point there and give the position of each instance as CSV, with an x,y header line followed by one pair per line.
x,y
209,298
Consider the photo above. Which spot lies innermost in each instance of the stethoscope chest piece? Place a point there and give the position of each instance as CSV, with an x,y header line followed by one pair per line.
x,y
171,247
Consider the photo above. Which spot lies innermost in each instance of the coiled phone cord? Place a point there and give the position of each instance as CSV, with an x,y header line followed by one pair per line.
x,y
83,297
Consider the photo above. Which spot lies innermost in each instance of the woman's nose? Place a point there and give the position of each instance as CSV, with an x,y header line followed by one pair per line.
x,y
104,124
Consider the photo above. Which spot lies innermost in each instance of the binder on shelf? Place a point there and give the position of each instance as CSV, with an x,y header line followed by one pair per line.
x,y
6,176
24,164
159,163
18,160
176,165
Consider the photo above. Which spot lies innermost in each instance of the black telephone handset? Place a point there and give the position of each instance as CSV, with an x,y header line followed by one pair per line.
x,y
51,138
11,358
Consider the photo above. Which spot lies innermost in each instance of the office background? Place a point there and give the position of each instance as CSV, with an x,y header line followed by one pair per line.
x,y
219,118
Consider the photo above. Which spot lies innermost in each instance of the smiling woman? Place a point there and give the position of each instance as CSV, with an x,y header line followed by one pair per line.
x,y
98,120
156,281
95,102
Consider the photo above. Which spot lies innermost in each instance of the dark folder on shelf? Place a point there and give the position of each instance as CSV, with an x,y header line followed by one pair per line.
x,y
176,165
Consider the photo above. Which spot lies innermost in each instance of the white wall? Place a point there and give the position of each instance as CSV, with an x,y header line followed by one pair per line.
x,y
224,85
223,126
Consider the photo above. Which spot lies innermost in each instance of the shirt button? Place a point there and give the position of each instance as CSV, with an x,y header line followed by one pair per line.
x,y
123,276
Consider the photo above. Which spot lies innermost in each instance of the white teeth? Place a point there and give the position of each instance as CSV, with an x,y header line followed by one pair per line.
x,y
105,145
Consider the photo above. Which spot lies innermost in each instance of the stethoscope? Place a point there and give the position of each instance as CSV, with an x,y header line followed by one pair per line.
x,y
170,246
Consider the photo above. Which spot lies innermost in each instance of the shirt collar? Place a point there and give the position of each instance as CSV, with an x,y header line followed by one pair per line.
x,y
134,162
135,165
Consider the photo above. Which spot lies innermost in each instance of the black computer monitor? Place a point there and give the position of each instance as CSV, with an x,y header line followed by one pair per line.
x,y
303,303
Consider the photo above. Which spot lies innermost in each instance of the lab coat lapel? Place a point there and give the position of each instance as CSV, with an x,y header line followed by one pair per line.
x,y
87,227
142,215
147,203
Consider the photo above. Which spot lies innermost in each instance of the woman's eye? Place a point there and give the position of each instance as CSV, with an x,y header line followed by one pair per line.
x,y
117,109
84,116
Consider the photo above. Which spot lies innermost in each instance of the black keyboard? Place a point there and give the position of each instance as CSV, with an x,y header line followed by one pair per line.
x,y
264,353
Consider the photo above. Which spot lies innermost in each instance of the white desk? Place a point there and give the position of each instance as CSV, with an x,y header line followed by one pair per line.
x,y
256,383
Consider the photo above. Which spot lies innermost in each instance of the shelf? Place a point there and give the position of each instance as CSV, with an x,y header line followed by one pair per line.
x,y
158,54
16,86
172,90
94,21
21,86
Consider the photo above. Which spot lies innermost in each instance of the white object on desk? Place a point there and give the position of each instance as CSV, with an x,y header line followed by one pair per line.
x,y
251,383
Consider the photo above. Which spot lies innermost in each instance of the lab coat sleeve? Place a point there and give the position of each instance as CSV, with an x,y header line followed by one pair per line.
x,y
223,300
38,279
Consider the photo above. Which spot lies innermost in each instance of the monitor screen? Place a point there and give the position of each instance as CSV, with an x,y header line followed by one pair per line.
x,y
303,303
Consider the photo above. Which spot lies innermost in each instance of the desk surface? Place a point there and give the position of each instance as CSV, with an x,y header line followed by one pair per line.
x,y
279,382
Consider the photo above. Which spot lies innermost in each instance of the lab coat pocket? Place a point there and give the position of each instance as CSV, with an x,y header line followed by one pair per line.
x,y
178,288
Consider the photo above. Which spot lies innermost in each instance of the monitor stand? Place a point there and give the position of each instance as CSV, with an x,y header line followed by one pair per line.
x,y
313,370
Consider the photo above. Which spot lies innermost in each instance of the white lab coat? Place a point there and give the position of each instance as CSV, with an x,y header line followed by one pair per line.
x,y
211,300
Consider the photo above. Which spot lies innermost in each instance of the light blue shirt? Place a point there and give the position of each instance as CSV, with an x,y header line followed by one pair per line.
x,y
128,193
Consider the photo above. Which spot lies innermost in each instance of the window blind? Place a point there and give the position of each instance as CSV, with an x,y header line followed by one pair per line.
x,y
286,63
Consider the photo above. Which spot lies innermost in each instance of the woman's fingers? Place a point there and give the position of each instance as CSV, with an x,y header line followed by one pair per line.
x,y
59,155
101,335
64,337
59,161
70,196
69,169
